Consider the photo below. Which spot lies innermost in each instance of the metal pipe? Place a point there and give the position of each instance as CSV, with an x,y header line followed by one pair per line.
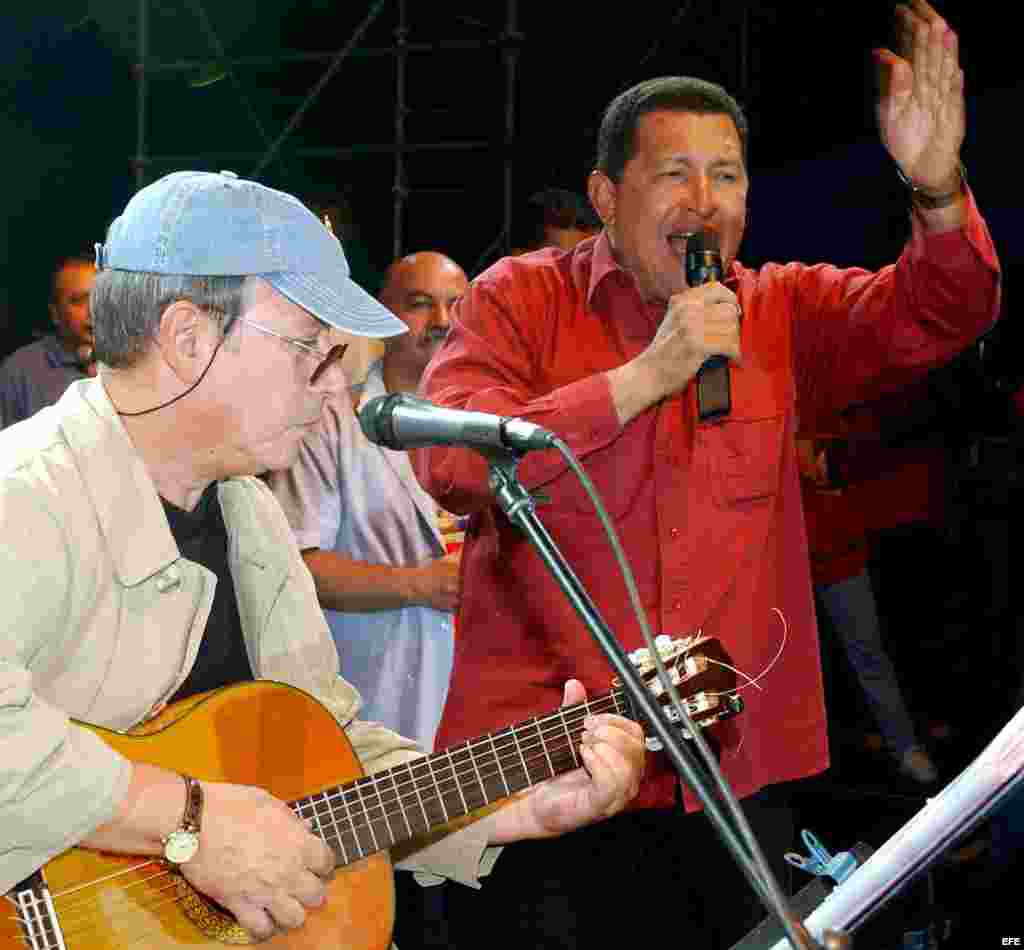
x,y
510,54
318,88
400,193
744,63
187,65
350,151
141,95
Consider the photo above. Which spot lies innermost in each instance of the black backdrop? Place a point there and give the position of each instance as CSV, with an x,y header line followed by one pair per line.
x,y
822,188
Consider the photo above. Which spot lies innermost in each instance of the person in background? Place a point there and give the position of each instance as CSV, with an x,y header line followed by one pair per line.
x,y
370,534
375,543
37,374
838,545
559,218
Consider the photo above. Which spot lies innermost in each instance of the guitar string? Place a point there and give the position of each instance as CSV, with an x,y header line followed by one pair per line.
x,y
71,925
83,926
145,905
70,907
452,774
579,713
449,776
538,725
118,919
144,908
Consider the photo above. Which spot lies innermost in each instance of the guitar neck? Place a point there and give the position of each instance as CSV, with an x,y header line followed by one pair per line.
x,y
384,809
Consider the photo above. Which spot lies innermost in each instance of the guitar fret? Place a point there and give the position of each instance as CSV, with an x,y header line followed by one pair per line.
x,y
497,761
544,747
479,777
458,785
366,812
357,844
419,797
398,802
305,808
385,811
569,736
339,837
526,771
440,796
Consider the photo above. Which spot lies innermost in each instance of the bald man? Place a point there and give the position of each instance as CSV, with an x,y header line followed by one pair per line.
x,y
370,534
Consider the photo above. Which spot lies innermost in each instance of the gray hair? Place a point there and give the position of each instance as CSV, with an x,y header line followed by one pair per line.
x,y
126,308
615,138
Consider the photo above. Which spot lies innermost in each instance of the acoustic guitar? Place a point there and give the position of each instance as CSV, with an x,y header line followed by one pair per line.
x,y
279,738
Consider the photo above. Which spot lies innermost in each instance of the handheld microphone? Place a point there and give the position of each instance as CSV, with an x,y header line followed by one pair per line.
x,y
703,265
401,421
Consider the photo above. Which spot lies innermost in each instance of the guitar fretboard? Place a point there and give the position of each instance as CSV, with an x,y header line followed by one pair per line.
x,y
373,813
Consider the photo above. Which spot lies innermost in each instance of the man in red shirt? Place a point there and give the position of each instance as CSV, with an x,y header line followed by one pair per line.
x,y
602,344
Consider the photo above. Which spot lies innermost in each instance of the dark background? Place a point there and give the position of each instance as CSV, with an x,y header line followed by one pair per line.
x,y
822,187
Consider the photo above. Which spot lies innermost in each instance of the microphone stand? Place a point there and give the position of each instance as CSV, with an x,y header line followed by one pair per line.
x,y
519,506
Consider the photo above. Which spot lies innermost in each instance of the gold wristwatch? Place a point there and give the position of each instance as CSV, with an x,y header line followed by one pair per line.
x,y
182,844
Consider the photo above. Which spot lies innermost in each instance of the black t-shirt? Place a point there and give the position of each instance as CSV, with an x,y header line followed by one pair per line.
x,y
202,537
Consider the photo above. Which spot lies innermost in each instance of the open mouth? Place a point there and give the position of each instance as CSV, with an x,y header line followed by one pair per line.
x,y
677,242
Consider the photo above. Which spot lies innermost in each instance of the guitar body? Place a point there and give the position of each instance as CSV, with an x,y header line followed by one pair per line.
x,y
280,739
260,733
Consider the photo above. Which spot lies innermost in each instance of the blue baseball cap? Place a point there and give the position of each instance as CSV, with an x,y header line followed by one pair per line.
x,y
215,224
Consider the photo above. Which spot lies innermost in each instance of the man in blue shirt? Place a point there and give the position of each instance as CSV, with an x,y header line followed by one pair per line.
x,y
371,535
37,374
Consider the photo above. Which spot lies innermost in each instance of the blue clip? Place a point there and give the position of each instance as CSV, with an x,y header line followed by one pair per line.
x,y
821,863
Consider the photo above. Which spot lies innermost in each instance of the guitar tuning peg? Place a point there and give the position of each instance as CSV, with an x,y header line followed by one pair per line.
x,y
663,642
640,656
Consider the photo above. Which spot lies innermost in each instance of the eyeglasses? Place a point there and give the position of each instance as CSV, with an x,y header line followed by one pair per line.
x,y
327,360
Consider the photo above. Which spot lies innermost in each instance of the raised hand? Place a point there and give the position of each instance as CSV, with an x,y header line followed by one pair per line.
x,y
921,114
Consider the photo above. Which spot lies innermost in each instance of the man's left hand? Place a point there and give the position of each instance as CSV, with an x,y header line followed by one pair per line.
x,y
921,109
612,753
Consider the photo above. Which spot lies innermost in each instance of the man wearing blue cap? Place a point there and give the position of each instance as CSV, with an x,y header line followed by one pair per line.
x,y
143,564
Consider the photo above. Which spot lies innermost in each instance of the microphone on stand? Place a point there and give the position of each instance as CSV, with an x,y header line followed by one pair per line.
x,y
703,265
401,421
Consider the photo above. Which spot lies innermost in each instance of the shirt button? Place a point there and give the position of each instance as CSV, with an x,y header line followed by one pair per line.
x,y
677,605
674,533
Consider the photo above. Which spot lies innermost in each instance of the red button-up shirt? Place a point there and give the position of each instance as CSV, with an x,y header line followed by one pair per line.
x,y
709,513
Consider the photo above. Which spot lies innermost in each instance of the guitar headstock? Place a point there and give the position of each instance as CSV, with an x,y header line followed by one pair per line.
x,y
702,673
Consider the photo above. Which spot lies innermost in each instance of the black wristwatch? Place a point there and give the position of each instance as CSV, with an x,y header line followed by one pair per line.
x,y
928,200
182,844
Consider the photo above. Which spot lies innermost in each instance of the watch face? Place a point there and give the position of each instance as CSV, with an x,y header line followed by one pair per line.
x,y
181,846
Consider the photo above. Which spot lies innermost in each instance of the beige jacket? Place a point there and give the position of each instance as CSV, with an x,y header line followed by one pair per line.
x,y
101,619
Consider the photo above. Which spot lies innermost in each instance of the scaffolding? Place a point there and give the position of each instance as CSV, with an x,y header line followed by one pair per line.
x,y
713,42
508,41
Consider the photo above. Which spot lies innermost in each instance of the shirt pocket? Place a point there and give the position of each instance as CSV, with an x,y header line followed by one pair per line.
x,y
745,450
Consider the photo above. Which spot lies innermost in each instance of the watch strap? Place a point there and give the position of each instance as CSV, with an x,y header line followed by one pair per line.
x,y
192,818
181,845
928,200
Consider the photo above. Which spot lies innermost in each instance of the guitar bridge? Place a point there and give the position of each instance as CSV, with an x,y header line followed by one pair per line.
x,y
36,915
